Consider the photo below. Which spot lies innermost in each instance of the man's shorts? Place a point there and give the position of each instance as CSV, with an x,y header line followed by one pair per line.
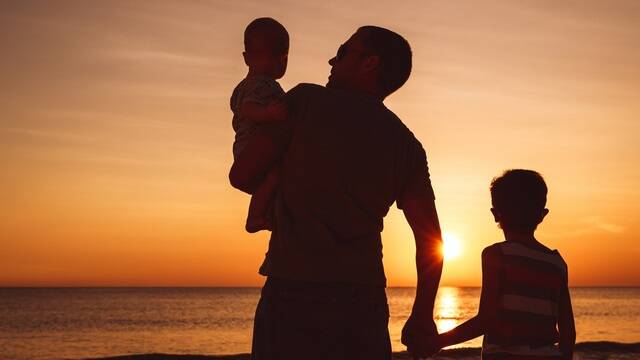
x,y
321,321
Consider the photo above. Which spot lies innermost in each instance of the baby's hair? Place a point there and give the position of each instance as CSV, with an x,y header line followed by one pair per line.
x,y
266,34
519,196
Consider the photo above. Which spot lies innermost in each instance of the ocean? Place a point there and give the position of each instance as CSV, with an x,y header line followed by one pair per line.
x,y
76,323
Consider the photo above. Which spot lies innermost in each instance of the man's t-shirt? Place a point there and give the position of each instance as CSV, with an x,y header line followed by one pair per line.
x,y
350,158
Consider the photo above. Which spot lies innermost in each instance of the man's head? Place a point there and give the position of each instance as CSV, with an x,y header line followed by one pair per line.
x,y
519,198
374,60
266,47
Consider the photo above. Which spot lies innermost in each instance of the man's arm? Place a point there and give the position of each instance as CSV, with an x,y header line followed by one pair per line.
x,y
420,212
258,156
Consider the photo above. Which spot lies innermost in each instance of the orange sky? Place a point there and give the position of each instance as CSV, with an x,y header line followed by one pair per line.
x,y
115,131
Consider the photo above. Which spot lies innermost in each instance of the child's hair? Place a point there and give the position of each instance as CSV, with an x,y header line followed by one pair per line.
x,y
266,34
519,196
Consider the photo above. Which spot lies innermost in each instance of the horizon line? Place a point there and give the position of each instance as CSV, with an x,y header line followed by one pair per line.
x,y
250,286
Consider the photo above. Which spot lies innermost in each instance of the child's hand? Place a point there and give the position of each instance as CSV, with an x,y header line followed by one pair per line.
x,y
432,345
278,110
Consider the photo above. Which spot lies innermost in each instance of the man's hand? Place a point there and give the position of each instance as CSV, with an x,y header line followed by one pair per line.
x,y
420,337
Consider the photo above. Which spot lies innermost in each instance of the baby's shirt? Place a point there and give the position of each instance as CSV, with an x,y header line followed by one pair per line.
x,y
258,89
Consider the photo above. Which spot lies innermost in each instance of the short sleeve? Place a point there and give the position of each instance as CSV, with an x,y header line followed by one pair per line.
x,y
491,259
564,268
262,91
417,183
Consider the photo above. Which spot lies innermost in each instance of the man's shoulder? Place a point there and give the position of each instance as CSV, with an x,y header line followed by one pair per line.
x,y
403,127
307,88
335,96
406,136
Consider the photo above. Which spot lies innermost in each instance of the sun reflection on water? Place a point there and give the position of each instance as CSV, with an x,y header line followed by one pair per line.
x,y
453,306
447,309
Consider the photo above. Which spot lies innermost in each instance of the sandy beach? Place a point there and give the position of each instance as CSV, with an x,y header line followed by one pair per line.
x,y
601,350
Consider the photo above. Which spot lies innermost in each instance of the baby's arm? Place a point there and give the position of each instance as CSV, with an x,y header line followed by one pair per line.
x,y
256,112
479,324
566,325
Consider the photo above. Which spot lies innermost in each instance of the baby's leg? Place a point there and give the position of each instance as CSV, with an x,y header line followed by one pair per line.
x,y
261,200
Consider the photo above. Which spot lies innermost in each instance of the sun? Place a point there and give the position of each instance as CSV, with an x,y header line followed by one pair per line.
x,y
451,246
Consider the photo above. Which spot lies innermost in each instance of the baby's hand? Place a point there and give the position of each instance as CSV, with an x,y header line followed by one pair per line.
x,y
278,110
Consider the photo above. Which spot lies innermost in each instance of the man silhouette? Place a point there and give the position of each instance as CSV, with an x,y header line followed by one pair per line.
x,y
348,159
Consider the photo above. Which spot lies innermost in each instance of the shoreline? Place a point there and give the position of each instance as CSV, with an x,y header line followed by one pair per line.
x,y
591,350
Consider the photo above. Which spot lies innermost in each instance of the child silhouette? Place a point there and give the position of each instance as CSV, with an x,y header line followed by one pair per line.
x,y
257,104
525,308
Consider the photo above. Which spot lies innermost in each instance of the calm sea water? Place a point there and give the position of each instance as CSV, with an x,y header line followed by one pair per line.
x,y
92,322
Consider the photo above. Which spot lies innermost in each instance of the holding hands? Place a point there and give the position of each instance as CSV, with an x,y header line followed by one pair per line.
x,y
421,338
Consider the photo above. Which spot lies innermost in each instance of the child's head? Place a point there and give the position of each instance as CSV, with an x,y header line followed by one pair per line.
x,y
518,198
266,47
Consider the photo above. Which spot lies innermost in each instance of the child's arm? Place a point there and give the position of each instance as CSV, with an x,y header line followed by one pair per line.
x,y
566,325
468,330
489,300
274,111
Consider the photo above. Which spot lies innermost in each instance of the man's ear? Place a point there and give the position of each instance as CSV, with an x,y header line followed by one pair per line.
x,y
371,63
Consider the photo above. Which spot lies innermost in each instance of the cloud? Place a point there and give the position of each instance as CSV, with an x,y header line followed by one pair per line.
x,y
596,224
184,93
99,118
163,57
56,135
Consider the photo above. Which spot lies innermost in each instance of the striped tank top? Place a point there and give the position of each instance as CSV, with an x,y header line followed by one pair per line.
x,y
531,279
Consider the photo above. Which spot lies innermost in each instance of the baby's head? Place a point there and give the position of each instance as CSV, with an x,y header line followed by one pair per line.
x,y
519,198
266,47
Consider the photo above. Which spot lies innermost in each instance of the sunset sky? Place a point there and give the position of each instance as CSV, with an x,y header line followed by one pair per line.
x,y
115,132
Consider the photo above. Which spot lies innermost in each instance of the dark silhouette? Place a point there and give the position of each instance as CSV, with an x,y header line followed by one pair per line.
x,y
344,162
525,291
258,109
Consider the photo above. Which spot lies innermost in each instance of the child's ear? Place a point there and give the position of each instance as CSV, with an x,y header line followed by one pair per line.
x,y
245,57
284,59
544,213
496,215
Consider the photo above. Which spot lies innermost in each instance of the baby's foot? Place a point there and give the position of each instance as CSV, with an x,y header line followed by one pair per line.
x,y
257,224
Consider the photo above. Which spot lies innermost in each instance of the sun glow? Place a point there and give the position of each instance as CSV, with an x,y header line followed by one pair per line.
x,y
451,246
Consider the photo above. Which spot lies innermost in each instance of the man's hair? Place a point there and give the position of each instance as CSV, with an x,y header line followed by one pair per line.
x,y
394,53
266,33
520,197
